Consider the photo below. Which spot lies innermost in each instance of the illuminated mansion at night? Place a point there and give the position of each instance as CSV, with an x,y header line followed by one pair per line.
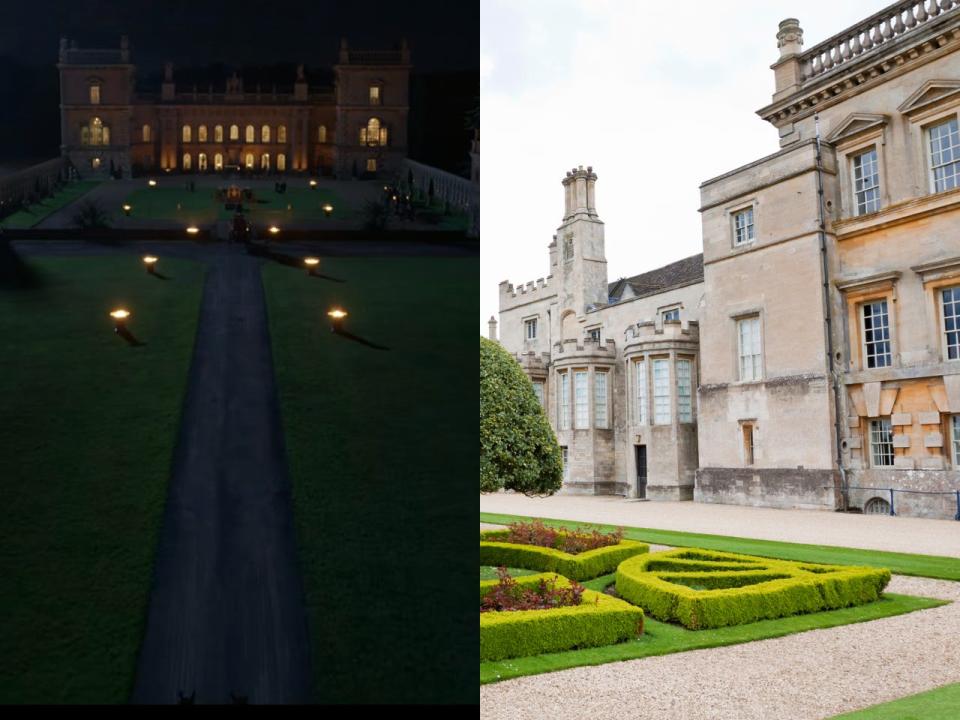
x,y
356,128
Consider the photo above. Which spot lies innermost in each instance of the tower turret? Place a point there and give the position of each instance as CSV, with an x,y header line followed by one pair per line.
x,y
581,259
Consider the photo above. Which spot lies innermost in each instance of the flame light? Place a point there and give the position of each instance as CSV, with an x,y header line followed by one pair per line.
x,y
274,229
150,261
313,183
312,263
328,209
152,183
336,316
193,229
127,209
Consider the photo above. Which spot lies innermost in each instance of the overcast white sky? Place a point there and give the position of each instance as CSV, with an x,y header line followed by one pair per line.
x,y
656,96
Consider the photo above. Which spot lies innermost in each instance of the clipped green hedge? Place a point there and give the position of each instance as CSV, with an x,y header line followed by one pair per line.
x,y
599,620
708,589
582,566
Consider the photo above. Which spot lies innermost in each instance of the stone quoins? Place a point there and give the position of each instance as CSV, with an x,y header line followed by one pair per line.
x,y
901,441
901,419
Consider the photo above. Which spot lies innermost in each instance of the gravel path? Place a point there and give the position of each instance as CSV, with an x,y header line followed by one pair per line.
x,y
815,674
874,532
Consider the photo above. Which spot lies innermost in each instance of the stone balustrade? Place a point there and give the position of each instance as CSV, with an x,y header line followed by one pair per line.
x,y
879,29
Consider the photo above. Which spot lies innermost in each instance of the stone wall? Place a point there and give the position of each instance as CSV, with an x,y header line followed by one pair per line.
x,y
766,487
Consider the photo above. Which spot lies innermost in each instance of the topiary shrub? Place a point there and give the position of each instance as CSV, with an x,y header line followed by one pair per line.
x,y
518,450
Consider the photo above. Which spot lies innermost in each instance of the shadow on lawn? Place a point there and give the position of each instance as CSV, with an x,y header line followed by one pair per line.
x,y
263,251
129,337
358,339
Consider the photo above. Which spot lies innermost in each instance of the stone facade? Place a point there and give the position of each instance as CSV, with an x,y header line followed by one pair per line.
x,y
827,344
358,128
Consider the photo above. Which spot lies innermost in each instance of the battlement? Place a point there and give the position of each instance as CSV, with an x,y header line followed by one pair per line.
x,y
586,348
532,362
649,331
513,296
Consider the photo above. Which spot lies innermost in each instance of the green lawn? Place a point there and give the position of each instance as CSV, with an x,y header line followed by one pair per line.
x,y
202,207
86,439
943,703
38,211
662,638
378,444
490,573
934,566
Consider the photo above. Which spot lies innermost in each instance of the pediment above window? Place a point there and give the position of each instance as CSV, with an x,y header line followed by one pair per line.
x,y
929,95
855,126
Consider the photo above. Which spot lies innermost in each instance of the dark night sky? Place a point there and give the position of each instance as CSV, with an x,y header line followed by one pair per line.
x,y
444,39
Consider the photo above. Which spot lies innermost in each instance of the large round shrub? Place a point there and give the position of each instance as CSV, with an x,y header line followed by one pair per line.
x,y
518,450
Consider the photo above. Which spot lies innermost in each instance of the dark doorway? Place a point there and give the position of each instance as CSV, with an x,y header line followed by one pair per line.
x,y
641,453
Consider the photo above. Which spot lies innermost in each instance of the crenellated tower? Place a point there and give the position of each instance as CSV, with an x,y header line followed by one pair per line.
x,y
581,264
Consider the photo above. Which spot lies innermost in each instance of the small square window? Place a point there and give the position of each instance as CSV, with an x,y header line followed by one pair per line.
x,y
743,226
594,335
671,315
530,329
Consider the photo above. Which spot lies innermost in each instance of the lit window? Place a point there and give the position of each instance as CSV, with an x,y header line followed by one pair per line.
x,y
265,134
370,135
95,163
371,164
96,133
640,392
581,400
202,162
746,430
600,399
866,182
265,161
218,133
881,443
374,94
538,391
684,392
951,321
564,401
94,94
146,133
661,392
322,134
202,133
218,162
250,134
876,334
249,161
186,161
748,339
743,227
945,155
671,315
281,133
234,132
530,328
281,162
186,133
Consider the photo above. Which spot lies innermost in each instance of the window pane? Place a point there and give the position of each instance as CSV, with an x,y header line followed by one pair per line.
x,y
881,442
581,400
564,401
640,393
876,334
538,391
684,392
945,155
661,392
748,331
951,322
866,182
600,399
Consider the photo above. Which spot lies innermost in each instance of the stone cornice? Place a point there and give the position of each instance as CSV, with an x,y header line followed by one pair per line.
x,y
903,212
927,42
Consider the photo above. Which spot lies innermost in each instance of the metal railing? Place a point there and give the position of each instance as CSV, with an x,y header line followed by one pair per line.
x,y
892,491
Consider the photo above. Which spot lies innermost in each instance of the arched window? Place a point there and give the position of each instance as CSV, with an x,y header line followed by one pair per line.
x,y
373,134
282,134
265,161
218,133
202,134
234,132
249,160
96,133
202,162
186,161
146,133
876,506
265,134
250,134
218,161
322,134
281,162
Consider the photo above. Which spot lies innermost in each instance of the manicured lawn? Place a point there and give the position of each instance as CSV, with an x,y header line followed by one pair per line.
x,y
37,212
202,207
940,704
86,440
933,566
663,638
378,443
490,573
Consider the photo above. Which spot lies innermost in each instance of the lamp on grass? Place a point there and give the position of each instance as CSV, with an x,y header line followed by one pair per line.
x,y
313,184
126,209
274,230
336,319
119,319
328,210
151,262
312,264
193,230
152,183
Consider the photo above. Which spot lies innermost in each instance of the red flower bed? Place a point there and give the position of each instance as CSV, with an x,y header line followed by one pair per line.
x,y
568,541
507,595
